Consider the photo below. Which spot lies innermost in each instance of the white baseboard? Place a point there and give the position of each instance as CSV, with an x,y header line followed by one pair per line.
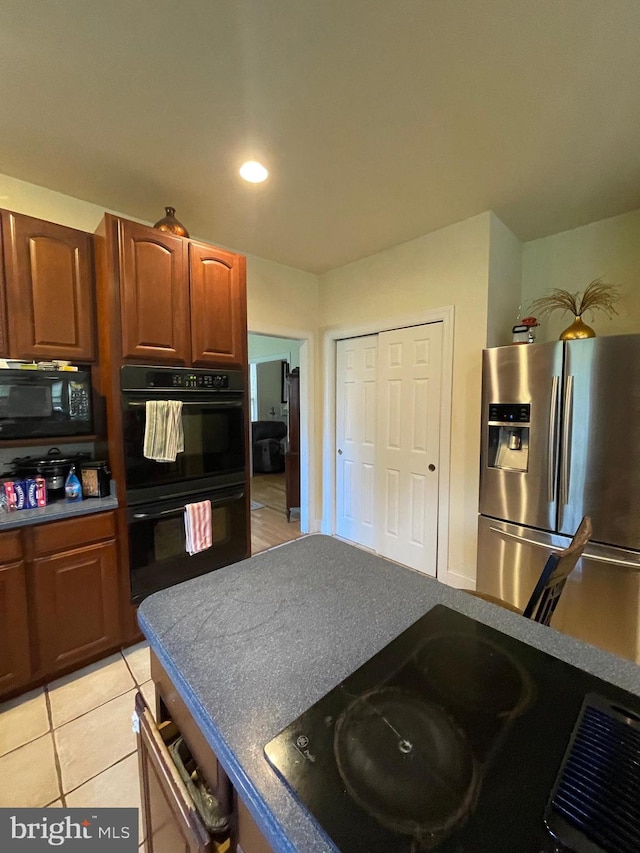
x,y
315,526
459,581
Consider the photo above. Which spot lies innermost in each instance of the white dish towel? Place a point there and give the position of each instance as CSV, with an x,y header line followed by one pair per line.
x,y
163,431
197,527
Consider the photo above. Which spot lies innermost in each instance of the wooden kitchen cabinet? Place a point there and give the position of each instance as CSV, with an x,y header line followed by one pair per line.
x,y
74,583
15,655
218,306
154,300
76,605
167,810
171,300
59,598
48,278
170,819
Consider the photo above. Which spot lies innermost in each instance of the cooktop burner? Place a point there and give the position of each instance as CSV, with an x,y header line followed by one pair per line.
x,y
449,739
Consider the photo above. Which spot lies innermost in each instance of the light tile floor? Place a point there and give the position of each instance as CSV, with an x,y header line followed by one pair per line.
x,y
71,742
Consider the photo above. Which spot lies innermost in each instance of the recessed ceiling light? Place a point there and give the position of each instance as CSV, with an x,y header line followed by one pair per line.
x,y
253,172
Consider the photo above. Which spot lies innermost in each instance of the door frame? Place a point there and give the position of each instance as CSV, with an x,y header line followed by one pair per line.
x,y
265,359
308,512
331,336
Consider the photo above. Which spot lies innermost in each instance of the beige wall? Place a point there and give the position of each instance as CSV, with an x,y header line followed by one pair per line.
x,y
505,279
447,267
609,248
263,346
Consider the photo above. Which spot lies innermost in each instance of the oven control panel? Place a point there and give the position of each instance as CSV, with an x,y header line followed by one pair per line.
x,y
184,379
136,378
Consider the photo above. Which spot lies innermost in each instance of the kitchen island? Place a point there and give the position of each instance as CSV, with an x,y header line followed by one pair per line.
x,y
251,646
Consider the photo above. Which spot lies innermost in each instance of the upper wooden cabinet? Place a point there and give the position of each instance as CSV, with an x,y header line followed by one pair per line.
x,y
218,306
49,290
154,300
171,300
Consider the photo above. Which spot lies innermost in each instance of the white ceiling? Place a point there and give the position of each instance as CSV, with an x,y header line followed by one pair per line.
x,y
380,120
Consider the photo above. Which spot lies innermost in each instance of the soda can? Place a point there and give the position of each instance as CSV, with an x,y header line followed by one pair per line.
x,y
10,494
41,491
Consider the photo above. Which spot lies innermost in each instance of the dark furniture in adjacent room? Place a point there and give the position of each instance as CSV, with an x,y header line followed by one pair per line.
x,y
267,446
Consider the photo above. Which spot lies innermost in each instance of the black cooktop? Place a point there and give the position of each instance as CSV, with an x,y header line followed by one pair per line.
x,y
452,739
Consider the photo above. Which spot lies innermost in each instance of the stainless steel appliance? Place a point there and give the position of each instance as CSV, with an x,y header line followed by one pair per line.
x,y
560,440
451,739
212,467
45,403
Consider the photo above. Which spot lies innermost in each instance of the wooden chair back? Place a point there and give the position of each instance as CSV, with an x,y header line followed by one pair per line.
x,y
545,596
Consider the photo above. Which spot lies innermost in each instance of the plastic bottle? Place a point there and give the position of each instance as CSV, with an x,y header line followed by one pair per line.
x,y
72,487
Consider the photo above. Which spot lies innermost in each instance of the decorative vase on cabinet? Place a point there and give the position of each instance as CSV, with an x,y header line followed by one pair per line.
x,y
171,224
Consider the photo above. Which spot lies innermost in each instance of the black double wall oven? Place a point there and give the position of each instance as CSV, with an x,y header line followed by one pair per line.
x,y
212,467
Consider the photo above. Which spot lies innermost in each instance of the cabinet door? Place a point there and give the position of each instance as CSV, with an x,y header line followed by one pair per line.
x,y
15,660
50,293
218,306
171,822
76,604
154,295
4,338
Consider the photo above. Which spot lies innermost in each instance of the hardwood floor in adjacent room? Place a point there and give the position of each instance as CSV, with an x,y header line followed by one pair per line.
x,y
269,525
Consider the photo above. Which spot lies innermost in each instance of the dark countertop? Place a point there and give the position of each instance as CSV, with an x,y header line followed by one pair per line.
x,y
253,645
57,511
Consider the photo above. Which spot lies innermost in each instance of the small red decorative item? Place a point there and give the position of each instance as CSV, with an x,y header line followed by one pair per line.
x,y
529,321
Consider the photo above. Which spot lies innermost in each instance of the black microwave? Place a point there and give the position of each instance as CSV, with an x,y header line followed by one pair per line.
x,y
45,403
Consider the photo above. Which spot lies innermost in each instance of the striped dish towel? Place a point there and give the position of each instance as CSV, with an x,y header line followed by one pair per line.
x,y
197,526
163,432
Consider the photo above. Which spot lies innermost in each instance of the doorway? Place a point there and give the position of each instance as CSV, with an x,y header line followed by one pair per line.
x,y
274,367
387,438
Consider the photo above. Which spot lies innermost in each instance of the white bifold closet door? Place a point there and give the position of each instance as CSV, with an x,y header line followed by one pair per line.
x,y
356,415
388,443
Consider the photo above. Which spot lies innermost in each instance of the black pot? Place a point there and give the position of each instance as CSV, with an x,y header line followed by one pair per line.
x,y
54,468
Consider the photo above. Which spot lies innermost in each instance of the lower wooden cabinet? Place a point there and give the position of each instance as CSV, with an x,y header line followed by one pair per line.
x,y
76,610
15,656
171,821
59,598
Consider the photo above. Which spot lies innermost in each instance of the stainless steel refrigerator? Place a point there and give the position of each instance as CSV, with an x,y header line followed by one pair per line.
x,y
560,440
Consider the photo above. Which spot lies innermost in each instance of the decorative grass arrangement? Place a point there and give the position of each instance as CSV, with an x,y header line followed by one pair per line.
x,y
598,296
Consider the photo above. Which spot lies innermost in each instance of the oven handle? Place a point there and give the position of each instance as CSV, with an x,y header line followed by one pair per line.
x,y
227,404
140,515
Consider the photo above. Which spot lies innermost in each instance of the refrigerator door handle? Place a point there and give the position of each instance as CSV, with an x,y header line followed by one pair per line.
x,y
627,564
553,446
506,535
566,441
586,555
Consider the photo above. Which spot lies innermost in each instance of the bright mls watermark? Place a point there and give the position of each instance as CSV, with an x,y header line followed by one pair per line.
x,y
28,830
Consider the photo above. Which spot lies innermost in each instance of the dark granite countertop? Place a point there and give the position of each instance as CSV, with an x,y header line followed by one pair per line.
x,y
57,511
253,645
